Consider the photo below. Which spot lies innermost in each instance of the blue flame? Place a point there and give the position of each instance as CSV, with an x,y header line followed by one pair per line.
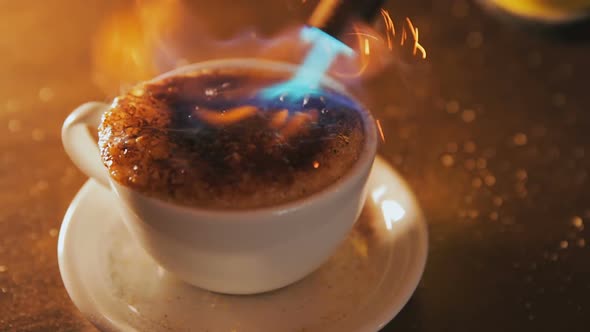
x,y
324,51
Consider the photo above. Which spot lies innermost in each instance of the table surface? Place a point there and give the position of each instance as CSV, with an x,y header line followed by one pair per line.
x,y
491,135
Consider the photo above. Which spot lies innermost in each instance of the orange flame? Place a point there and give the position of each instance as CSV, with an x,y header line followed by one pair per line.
x,y
226,118
155,36
295,124
279,119
126,43
299,122
288,125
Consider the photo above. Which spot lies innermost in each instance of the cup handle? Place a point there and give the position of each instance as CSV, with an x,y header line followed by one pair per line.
x,y
79,144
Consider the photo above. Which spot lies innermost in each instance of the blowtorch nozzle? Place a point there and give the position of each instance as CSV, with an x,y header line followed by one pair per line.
x,y
334,16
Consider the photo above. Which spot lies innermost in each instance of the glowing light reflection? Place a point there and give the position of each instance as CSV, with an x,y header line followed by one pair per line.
x,y
161,272
392,212
378,193
391,209
132,308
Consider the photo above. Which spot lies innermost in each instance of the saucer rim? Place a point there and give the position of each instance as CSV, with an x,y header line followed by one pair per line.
x,y
82,299
417,270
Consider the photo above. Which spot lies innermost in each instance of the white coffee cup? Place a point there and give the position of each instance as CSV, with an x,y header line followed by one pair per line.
x,y
234,251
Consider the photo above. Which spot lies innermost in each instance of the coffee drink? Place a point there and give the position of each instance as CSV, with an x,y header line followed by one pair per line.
x,y
208,139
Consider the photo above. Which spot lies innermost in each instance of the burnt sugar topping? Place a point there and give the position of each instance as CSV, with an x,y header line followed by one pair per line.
x,y
207,140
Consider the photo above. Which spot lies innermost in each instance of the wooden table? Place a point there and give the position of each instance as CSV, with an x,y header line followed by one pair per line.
x,y
493,138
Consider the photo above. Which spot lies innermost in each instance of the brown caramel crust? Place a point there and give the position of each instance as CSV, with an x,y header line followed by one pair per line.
x,y
172,141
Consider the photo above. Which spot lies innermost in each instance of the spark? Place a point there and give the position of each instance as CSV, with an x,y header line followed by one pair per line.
x,y
389,27
414,32
325,49
380,130
416,36
404,36
363,59
367,47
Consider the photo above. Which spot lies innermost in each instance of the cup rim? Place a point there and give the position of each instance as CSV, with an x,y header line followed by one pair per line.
x,y
344,183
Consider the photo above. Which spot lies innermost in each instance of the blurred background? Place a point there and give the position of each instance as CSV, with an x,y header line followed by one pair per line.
x,y
490,131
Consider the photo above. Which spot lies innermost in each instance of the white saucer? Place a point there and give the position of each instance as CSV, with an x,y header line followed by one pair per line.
x,y
363,286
